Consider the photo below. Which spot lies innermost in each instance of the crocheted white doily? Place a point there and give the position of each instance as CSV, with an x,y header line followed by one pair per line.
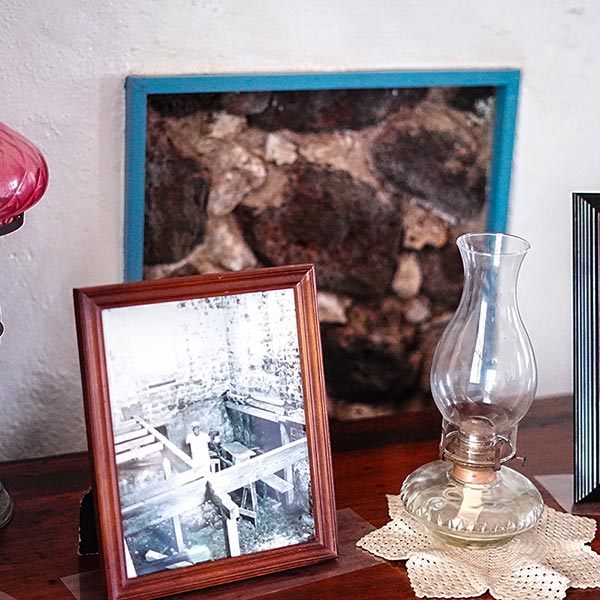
x,y
538,564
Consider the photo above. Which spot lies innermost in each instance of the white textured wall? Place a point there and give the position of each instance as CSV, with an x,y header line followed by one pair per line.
x,y
62,66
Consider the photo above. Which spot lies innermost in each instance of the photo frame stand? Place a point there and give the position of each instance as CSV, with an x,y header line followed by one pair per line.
x,y
351,527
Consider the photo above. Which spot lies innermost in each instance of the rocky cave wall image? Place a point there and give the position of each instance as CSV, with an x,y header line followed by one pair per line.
x,y
372,186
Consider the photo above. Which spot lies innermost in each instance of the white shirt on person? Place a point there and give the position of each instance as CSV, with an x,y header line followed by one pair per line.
x,y
198,444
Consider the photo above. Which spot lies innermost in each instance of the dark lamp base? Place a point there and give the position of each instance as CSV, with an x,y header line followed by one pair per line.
x,y
7,508
12,225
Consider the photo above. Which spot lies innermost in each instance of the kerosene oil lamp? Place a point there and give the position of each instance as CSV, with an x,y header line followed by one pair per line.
x,y
23,181
483,381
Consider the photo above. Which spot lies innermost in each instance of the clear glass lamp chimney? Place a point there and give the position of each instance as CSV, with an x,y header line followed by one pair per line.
x,y
483,381
483,375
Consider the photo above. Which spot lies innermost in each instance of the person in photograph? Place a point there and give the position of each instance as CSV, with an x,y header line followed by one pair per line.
x,y
198,442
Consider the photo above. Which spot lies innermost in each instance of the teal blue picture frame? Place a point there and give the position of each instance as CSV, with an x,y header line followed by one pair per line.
x,y
138,88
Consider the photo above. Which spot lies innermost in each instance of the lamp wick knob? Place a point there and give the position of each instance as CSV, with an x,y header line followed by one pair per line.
x,y
521,459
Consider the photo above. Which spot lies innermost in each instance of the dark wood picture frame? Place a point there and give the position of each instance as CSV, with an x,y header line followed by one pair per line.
x,y
90,306
586,214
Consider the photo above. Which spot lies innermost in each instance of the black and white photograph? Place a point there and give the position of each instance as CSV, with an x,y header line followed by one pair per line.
x,y
209,429
207,426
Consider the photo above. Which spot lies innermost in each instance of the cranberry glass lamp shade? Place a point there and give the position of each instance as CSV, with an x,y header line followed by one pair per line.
x,y
23,178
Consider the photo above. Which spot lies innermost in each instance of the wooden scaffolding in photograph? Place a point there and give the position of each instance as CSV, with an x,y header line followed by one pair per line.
x,y
183,491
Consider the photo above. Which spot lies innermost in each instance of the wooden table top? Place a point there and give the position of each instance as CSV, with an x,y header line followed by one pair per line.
x,y
370,459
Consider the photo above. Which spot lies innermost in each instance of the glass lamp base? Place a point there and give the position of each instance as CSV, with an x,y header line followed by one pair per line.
x,y
7,508
471,514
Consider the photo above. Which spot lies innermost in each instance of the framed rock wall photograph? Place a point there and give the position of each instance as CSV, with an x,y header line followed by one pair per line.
x,y
369,176
207,427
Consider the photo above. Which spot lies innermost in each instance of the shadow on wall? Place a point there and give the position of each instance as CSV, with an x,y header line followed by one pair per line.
x,y
43,429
